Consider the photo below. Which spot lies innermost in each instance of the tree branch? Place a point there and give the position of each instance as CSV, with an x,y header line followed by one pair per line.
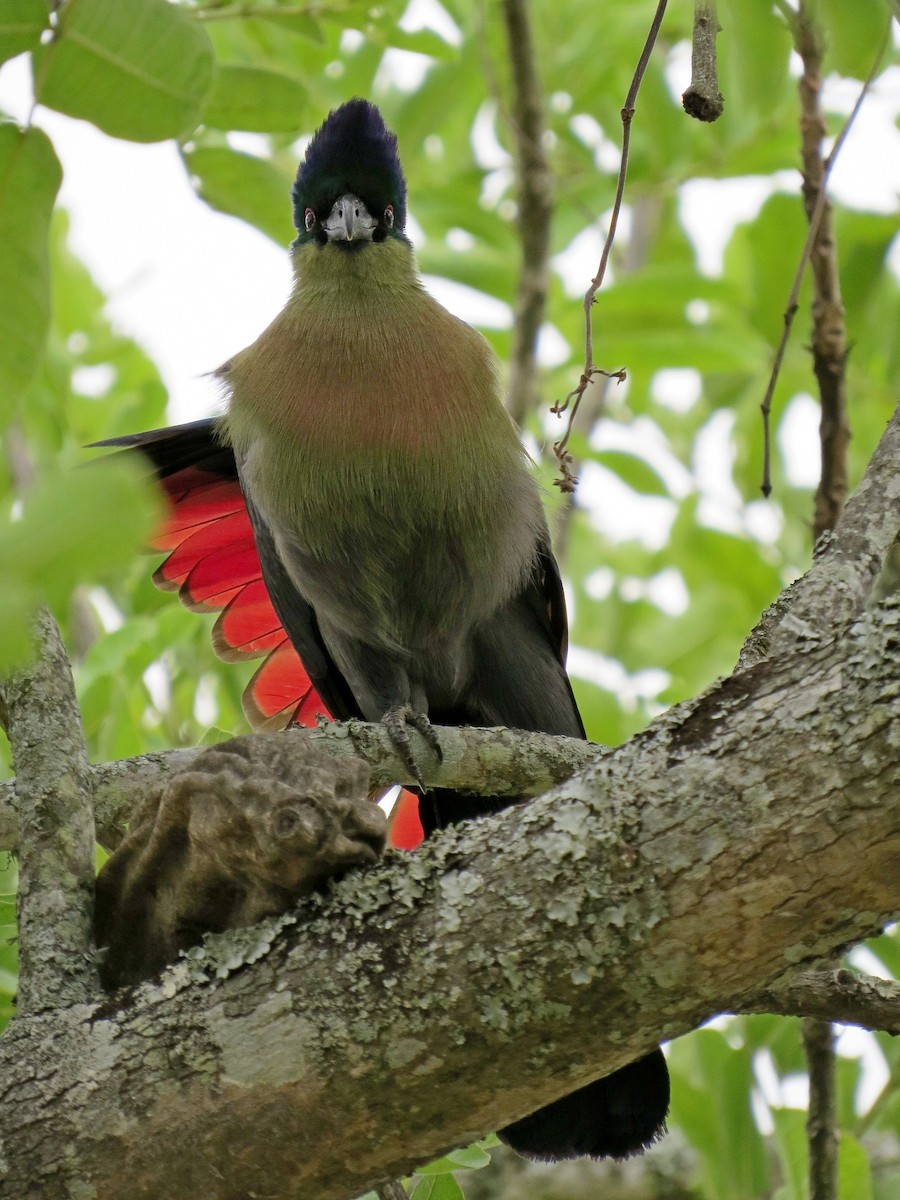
x,y
702,98
814,220
56,825
742,835
838,995
490,762
534,188
829,334
821,1118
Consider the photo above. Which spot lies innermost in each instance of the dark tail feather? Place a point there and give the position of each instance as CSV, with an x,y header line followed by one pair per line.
x,y
614,1117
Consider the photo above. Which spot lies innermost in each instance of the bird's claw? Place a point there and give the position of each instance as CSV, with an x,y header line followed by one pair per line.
x,y
397,722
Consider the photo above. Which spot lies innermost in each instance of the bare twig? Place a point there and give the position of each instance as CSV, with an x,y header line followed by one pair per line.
x,y
838,995
56,828
814,219
534,188
702,99
567,482
818,1043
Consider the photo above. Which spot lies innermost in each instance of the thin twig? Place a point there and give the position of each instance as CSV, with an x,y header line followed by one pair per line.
x,y
534,188
567,482
815,217
834,995
56,830
645,212
702,98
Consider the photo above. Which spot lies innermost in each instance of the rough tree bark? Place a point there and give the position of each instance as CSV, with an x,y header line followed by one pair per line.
x,y
744,836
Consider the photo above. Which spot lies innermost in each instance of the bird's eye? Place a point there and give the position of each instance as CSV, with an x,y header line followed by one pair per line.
x,y
389,216
309,219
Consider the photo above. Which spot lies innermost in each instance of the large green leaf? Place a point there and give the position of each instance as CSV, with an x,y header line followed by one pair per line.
x,y
711,1102
139,70
252,98
30,176
754,47
291,19
469,1158
854,1171
21,24
790,1139
244,186
71,528
853,34
437,1187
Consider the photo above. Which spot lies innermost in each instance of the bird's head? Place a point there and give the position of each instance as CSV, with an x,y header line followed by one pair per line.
x,y
350,189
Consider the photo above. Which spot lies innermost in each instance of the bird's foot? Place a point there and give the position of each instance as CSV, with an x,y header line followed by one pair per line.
x,y
397,721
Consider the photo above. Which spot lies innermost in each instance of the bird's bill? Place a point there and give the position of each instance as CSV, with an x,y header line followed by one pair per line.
x,y
349,221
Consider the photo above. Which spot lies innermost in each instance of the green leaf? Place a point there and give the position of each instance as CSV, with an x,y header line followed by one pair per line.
x,y
790,1138
711,1104
469,1158
296,22
887,948
755,47
138,70
419,41
213,736
853,34
244,186
854,1170
21,24
72,527
30,176
437,1187
254,99
634,471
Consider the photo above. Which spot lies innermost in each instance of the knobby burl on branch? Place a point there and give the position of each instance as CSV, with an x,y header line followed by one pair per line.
x,y
247,829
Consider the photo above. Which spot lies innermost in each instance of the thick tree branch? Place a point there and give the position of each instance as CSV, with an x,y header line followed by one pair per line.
x,y
55,817
739,837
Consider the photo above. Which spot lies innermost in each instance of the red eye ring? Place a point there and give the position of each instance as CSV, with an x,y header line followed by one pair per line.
x,y
389,216
309,219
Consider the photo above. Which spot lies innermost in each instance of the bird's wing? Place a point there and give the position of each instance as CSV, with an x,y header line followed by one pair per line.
x,y
213,563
